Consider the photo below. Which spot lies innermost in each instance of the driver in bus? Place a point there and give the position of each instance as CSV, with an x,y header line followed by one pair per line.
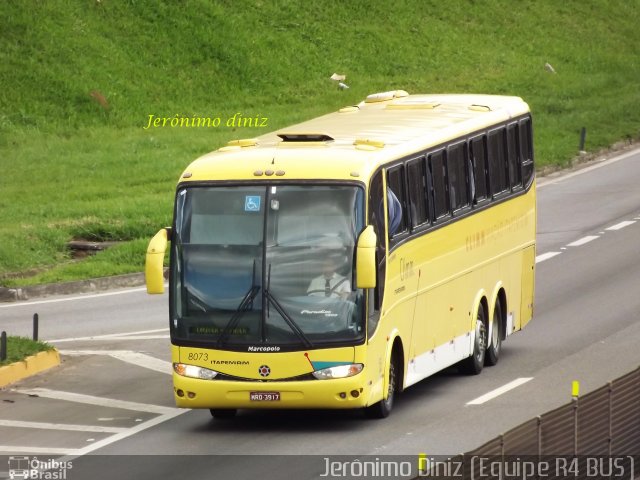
x,y
330,283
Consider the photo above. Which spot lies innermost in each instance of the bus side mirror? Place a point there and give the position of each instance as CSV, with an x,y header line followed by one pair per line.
x,y
154,262
366,259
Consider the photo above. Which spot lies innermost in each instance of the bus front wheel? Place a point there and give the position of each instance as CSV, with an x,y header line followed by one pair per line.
x,y
382,409
473,365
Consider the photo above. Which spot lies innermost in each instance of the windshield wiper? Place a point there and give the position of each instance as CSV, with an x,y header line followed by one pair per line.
x,y
283,313
294,326
245,305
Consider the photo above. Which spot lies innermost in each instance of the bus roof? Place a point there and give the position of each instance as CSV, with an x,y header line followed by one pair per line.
x,y
352,142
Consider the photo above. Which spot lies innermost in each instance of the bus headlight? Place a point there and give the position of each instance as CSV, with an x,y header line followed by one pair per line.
x,y
194,372
341,371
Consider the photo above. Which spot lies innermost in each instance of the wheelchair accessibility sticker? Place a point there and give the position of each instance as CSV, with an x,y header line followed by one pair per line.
x,y
252,203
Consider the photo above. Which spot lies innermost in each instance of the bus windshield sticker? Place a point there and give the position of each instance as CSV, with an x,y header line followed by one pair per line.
x,y
252,203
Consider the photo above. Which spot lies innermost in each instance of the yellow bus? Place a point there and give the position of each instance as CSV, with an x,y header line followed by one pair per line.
x,y
339,261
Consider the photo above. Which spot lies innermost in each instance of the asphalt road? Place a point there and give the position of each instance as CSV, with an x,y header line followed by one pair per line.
x,y
586,327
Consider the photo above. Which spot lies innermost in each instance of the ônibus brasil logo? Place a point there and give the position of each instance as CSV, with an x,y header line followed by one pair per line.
x,y
28,468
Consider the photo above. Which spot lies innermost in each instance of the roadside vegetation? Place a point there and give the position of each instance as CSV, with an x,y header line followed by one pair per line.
x,y
19,348
79,79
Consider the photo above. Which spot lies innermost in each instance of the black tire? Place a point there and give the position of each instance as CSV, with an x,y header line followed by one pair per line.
x,y
223,412
493,351
383,408
473,365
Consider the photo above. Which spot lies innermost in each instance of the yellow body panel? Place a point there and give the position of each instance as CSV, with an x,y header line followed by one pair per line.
x,y
304,394
528,285
307,393
446,271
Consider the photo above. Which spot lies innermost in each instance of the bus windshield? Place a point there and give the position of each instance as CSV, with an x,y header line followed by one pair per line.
x,y
266,267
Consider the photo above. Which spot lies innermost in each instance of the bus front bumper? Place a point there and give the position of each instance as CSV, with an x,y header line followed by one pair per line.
x,y
348,392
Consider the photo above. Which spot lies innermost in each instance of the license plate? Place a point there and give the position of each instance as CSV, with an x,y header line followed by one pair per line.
x,y
264,396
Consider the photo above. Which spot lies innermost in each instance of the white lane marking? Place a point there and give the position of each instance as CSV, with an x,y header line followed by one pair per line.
x,y
109,335
546,256
116,338
28,303
145,361
499,391
120,436
61,426
90,352
92,400
621,225
139,337
38,450
583,240
604,163
135,358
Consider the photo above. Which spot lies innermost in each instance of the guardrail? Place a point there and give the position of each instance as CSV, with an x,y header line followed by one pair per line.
x,y
597,428
603,422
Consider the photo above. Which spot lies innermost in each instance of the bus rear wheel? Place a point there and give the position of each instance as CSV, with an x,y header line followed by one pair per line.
x,y
383,408
473,365
493,351
223,412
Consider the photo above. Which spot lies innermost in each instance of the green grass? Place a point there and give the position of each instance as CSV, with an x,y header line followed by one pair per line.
x,y
19,348
75,168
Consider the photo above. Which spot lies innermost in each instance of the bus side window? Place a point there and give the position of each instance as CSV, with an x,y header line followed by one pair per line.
x,y
526,150
395,200
479,163
417,190
498,167
514,157
440,191
457,169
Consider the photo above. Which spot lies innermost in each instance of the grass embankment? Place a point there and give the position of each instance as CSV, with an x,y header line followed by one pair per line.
x,y
19,348
78,80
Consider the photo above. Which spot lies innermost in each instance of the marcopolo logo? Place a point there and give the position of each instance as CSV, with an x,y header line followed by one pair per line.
x,y
32,468
271,348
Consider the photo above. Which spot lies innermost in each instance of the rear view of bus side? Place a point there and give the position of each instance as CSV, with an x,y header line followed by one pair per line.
x,y
336,262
